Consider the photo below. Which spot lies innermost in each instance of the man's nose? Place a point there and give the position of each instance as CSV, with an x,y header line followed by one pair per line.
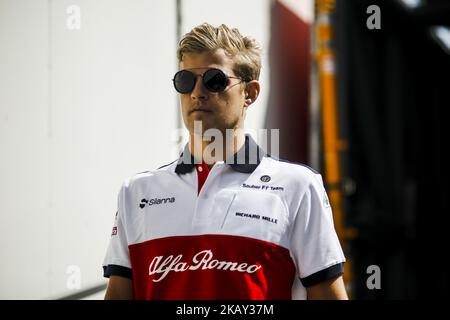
x,y
199,92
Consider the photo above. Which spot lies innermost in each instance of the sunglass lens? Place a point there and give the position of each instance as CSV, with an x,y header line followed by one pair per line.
x,y
215,80
184,81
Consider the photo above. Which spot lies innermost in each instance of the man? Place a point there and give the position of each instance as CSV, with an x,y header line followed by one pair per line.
x,y
232,223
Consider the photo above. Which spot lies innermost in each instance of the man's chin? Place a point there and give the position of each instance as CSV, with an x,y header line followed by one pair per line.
x,y
201,126
201,115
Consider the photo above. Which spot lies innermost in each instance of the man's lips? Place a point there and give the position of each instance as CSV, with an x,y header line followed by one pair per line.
x,y
199,110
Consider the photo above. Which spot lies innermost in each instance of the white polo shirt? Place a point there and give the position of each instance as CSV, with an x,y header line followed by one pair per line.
x,y
255,228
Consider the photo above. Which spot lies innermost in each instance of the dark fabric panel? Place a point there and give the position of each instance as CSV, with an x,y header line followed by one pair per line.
x,y
116,270
323,275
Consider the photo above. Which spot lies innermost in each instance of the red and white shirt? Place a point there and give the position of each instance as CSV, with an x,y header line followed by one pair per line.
x,y
252,228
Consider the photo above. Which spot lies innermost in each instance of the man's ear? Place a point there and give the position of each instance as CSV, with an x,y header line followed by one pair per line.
x,y
251,92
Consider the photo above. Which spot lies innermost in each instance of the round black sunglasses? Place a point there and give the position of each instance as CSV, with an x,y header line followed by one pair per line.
x,y
215,80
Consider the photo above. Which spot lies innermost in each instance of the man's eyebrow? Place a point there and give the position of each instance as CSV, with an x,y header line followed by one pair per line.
x,y
203,68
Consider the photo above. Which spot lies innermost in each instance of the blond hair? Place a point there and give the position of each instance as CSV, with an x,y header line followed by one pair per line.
x,y
245,51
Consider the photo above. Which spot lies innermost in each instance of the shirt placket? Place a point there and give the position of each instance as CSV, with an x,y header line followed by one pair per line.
x,y
206,179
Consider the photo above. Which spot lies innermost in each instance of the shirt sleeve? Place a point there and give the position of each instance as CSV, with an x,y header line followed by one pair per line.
x,y
117,259
315,246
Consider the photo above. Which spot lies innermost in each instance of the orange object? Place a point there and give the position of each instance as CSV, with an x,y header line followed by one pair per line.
x,y
332,145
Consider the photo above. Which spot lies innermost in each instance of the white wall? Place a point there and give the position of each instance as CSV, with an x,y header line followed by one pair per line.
x,y
81,110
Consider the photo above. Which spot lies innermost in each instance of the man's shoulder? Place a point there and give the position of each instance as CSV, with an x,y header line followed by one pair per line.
x,y
149,175
293,169
295,174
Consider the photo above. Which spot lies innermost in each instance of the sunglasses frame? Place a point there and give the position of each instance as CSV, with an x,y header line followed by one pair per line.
x,y
227,77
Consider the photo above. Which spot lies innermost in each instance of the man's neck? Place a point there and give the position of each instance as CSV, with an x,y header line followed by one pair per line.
x,y
212,151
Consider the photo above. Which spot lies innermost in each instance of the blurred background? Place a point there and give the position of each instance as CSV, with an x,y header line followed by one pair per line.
x,y
357,88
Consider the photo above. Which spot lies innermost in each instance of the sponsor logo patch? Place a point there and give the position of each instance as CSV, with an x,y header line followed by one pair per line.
x,y
161,266
271,188
256,216
155,201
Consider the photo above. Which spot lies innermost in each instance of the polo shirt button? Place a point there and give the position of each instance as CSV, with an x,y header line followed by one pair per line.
x,y
200,169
